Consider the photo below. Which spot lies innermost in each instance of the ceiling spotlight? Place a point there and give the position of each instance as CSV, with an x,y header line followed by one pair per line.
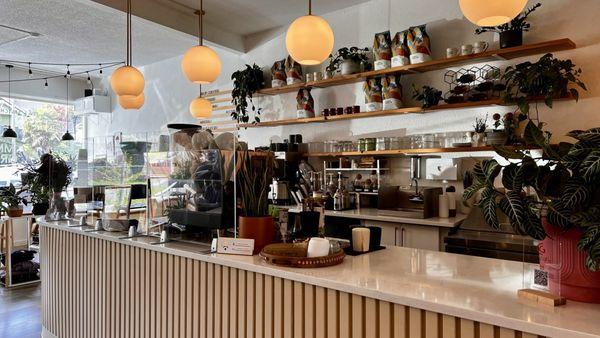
x,y
30,72
46,84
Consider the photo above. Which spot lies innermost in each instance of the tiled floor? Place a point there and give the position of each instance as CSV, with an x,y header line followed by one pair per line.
x,y
20,312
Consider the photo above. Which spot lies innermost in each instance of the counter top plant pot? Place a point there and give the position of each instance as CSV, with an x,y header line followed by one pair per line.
x,y
261,229
553,198
12,200
15,211
568,275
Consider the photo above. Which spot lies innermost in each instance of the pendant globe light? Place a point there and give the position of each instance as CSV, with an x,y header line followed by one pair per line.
x,y
200,107
127,80
9,132
67,136
491,12
201,64
132,102
309,39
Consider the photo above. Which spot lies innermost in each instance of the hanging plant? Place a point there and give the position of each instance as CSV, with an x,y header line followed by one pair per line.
x,y
246,82
428,96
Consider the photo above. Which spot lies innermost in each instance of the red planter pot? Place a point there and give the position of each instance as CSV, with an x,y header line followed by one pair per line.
x,y
260,229
568,275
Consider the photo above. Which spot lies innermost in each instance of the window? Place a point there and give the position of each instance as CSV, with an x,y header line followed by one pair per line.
x,y
39,126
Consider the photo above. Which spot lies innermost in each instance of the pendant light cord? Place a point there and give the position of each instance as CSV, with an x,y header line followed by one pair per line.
x,y
309,7
67,107
129,51
9,101
201,24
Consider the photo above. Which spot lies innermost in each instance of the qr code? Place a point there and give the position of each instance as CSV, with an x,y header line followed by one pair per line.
x,y
540,278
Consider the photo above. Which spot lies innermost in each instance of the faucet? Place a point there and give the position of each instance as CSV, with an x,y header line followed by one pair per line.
x,y
417,197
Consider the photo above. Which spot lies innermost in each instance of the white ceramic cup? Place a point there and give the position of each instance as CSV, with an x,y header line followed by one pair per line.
x,y
480,46
451,52
466,49
317,76
309,77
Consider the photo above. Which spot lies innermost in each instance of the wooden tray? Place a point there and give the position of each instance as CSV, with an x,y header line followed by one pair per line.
x,y
294,255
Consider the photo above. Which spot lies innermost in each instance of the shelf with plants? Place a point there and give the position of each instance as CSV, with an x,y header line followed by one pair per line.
x,y
497,54
400,111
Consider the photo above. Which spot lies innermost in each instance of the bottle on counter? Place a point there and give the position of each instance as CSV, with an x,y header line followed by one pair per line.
x,y
443,206
451,192
358,183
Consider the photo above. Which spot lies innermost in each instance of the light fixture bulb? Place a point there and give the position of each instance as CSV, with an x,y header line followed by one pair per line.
x,y
131,101
201,108
127,80
309,40
487,13
201,65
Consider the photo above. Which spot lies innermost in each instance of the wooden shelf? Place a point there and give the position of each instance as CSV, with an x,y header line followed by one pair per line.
x,y
399,152
497,54
355,169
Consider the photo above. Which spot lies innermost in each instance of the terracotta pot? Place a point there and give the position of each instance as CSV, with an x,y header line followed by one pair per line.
x,y
15,211
261,229
568,275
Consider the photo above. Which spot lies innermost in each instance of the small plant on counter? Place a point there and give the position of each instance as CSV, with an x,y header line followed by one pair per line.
x,y
39,194
511,33
480,125
428,96
246,82
12,200
254,176
548,78
359,56
564,182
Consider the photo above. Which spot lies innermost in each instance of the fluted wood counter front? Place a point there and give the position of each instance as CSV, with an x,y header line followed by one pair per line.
x,y
96,285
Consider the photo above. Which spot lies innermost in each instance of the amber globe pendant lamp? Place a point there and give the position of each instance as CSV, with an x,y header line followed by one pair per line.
x,y
132,102
491,12
309,39
201,64
128,80
200,107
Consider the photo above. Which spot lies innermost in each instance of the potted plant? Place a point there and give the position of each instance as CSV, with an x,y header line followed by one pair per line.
x,y
478,139
12,201
511,33
506,135
548,78
562,210
55,173
428,96
246,82
253,177
349,60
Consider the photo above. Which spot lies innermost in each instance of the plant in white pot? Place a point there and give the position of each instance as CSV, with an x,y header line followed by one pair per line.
x,y
562,210
349,60
253,178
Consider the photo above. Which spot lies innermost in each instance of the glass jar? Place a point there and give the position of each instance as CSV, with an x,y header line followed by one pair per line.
x,y
370,144
394,143
383,143
362,144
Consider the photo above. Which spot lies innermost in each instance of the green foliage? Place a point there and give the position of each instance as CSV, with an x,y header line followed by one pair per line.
x,y
428,96
254,176
516,24
566,183
354,54
246,82
548,78
10,197
43,129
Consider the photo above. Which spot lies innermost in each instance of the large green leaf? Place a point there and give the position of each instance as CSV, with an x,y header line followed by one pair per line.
x,y
533,224
488,207
514,207
586,217
471,190
591,235
509,152
486,171
534,135
576,193
590,135
593,260
550,180
590,168
558,215
512,177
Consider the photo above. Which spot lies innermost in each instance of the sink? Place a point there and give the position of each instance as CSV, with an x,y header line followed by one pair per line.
x,y
393,201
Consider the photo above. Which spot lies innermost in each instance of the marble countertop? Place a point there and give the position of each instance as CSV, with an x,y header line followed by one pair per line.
x,y
474,288
376,215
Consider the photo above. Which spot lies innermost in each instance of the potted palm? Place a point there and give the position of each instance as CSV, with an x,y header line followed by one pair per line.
x,y
253,177
12,201
563,210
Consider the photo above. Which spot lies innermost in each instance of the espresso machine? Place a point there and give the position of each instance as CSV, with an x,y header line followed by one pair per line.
x,y
284,177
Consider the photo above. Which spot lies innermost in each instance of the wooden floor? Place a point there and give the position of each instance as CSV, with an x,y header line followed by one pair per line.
x,y
20,312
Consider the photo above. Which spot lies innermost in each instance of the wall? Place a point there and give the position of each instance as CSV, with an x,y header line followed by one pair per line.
x,y
168,93
55,92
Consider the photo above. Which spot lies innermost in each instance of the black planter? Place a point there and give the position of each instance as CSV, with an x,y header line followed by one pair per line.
x,y
40,208
511,38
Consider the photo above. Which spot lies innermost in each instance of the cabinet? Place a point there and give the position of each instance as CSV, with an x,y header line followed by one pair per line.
x,y
408,235
92,104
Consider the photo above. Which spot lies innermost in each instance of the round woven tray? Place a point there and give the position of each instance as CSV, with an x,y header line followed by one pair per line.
x,y
294,255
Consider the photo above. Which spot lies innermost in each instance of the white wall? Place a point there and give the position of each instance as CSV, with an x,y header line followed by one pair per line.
x,y
168,93
55,92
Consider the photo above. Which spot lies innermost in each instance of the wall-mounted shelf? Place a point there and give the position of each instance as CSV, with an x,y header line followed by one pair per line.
x,y
497,54
355,169
401,111
401,152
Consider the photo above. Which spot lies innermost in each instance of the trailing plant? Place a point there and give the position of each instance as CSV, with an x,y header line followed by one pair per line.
x,y
246,82
480,125
565,185
548,78
354,54
428,96
54,172
11,197
254,176
516,24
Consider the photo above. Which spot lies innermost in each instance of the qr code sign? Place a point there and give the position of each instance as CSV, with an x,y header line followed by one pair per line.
x,y
540,278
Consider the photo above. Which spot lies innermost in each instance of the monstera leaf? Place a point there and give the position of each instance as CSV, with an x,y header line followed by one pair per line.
x,y
514,207
488,207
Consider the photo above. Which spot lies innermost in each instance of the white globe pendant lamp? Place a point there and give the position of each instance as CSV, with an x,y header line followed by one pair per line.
x,y
128,80
491,12
131,101
309,39
201,64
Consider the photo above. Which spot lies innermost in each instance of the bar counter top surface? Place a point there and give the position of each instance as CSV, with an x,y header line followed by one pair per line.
x,y
479,289
373,214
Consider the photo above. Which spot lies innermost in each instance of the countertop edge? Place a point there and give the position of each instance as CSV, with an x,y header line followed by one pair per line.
x,y
286,273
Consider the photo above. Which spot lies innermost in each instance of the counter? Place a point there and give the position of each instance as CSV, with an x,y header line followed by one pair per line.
x,y
373,214
129,286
